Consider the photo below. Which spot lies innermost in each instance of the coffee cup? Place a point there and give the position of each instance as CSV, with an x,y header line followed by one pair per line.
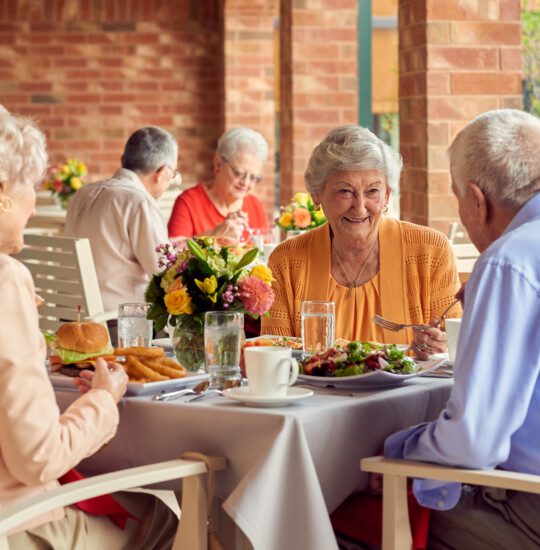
x,y
452,327
270,370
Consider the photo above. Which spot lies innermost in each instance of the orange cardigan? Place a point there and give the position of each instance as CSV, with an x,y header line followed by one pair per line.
x,y
418,277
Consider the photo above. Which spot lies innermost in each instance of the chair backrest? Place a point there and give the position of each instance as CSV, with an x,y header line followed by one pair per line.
x,y
457,234
466,256
64,276
166,201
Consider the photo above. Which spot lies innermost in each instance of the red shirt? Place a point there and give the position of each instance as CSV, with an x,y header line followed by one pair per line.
x,y
194,213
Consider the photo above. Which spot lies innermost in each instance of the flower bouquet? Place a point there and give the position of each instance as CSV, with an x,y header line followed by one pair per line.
x,y
207,275
301,214
65,180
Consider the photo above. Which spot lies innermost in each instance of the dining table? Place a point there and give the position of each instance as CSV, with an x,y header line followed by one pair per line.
x,y
288,467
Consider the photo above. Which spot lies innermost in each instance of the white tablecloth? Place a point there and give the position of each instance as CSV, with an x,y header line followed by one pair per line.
x,y
288,467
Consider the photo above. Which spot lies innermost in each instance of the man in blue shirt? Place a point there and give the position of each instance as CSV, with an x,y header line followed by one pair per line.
x,y
492,419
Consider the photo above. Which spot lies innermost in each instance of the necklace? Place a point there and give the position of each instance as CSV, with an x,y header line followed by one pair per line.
x,y
354,284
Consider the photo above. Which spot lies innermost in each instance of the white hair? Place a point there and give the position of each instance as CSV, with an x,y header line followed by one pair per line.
x,y
351,148
500,152
23,151
148,149
239,140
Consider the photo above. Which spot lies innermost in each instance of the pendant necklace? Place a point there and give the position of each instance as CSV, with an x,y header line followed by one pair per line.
x,y
353,284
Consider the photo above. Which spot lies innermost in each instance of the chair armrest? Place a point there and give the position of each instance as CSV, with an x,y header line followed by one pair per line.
x,y
104,316
13,516
491,478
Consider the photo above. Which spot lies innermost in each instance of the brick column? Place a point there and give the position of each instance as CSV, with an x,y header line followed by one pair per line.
x,y
249,100
457,60
319,80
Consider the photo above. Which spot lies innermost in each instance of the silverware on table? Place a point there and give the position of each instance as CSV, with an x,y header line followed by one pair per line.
x,y
207,393
195,390
391,325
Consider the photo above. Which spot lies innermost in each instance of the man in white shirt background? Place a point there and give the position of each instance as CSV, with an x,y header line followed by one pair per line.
x,y
121,218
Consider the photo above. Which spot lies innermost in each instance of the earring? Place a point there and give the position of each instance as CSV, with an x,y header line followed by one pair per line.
x,y
385,209
6,203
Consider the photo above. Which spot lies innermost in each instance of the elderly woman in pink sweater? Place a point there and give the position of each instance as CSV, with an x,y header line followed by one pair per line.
x,y
38,444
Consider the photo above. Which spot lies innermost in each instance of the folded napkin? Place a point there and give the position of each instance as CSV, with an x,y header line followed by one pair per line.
x,y
104,505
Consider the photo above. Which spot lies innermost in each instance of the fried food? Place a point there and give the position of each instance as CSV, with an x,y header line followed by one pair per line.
x,y
139,351
137,369
166,367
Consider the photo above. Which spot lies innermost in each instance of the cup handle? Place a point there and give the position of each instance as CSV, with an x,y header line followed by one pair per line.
x,y
294,370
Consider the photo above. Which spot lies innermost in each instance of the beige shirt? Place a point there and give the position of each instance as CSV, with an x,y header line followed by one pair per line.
x,y
37,443
124,225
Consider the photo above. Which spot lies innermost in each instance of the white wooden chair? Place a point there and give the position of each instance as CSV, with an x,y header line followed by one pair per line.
x,y
396,531
466,256
166,201
65,277
192,530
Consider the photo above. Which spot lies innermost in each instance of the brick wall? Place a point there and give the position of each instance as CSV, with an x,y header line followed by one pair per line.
x,y
319,79
250,77
457,60
91,72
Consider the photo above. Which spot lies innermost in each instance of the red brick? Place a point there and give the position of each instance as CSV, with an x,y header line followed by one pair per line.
x,y
462,58
510,59
465,10
486,33
486,83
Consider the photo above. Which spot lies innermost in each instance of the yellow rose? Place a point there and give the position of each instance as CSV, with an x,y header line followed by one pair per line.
x,y
65,169
81,167
76,183
286,219
301,198
178,302
263,273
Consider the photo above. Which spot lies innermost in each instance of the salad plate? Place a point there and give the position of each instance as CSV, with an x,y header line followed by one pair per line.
x,y
374,379
243,395
61,382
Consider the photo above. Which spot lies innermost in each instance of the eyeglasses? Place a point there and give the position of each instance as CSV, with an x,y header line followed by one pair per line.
x,y
242,174
176,177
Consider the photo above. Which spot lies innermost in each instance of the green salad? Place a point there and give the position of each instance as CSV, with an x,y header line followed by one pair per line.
x,y
358,358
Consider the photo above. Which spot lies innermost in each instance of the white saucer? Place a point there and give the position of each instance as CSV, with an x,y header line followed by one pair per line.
x,y
242,394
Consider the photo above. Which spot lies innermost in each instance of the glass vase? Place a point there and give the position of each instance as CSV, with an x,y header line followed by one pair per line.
x,y
188,343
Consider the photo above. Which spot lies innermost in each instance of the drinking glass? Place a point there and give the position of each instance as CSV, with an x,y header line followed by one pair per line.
x,y
452,328
318,326
223,334
134,329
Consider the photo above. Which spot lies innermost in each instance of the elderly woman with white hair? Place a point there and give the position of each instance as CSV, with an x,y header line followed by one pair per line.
x,y
38,444
225,206
363,261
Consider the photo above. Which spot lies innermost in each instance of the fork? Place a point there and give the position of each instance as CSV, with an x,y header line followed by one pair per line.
x,y
390,325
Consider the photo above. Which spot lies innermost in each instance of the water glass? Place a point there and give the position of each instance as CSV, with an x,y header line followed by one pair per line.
x,y
452,328
318,326
223,335
134,329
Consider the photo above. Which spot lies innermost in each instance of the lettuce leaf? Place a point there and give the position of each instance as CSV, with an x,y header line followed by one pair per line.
x,y
70,356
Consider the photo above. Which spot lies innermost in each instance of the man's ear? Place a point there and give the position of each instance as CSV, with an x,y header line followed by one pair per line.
x,y
161,174
479,202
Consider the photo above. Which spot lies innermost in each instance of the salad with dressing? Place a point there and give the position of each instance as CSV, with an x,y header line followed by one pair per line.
x,y
358,358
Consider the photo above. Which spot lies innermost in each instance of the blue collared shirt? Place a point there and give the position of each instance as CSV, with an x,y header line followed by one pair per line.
x,y
492,418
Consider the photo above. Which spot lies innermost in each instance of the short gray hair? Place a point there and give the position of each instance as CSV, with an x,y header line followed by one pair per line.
x,y
23,151
500,152
351,148
148,149
242,139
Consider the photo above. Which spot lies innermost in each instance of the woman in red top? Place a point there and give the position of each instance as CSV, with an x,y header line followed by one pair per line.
x,y
223,206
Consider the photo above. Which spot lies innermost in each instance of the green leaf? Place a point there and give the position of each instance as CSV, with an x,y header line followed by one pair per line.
x,y
161,322
154,291
246,259
196,250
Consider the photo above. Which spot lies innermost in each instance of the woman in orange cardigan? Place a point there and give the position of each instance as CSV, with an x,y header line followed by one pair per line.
x,y
363,261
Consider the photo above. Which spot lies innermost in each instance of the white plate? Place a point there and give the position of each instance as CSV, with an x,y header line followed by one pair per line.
x,y
61,382
164,343
242,394
375,379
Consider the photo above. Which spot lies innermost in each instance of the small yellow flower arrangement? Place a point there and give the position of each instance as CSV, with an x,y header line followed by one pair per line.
x,y
65,180
300,214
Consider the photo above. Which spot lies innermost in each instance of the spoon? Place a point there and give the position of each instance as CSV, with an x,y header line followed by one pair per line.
x,y
200,388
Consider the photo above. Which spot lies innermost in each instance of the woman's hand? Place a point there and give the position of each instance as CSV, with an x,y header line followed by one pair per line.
x,y
428,341
232,226
110,377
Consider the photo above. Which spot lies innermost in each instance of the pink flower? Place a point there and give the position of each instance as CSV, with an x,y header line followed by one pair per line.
x,y
256,295
302,217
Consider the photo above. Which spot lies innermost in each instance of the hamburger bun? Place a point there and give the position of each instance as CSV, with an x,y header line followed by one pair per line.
x,y
83,336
